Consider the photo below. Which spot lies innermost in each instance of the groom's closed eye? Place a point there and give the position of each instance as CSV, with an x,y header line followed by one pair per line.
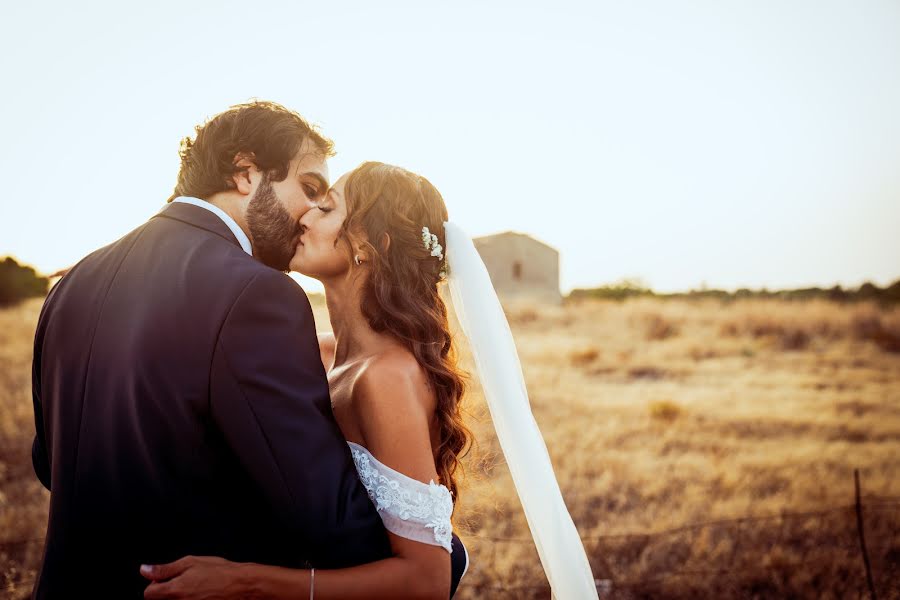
x,y
312,192
314,186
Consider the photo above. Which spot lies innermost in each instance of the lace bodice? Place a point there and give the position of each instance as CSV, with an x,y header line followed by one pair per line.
x,y
409,508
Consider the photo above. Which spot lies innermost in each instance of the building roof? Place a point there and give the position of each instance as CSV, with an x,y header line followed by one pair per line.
x,y
512,235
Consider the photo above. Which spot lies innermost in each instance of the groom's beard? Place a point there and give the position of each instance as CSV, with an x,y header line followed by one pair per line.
x,y
272,230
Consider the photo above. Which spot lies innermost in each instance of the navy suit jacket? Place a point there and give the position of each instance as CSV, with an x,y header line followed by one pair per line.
x,y
181,407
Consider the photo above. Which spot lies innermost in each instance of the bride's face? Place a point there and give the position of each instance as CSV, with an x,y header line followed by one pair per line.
x,y
320,254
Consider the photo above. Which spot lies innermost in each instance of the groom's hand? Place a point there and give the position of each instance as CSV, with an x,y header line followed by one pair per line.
x,y
196,577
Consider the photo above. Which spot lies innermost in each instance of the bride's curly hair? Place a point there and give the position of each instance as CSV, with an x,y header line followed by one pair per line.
x,y
400,296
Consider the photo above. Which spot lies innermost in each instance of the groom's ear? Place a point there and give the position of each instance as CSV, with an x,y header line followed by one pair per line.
x,y
245,171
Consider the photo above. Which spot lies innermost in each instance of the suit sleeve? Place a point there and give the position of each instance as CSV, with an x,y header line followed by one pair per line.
x,y
269,397
39,456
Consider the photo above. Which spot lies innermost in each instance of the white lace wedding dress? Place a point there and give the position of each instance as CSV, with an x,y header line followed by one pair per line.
x,y
409,508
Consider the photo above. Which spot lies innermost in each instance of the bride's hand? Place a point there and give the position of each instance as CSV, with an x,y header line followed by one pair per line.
x,y
195,577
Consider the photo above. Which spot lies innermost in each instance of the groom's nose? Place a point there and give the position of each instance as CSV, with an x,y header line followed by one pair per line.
x,y
304,220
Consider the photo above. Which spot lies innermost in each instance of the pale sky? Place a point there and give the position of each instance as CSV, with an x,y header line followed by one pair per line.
x,y
732,143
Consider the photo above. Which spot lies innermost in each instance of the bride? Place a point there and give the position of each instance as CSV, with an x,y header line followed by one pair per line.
x,y
380,244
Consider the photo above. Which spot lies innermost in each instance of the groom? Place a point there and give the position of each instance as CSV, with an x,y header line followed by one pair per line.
x,y
181,406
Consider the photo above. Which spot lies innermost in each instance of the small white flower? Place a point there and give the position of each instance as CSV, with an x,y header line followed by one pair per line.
x,y
430,241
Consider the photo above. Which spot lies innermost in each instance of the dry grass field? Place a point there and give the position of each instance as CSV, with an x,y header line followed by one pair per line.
x,y
704,449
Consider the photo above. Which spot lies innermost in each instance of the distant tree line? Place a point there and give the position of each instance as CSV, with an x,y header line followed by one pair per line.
x,y
18,282
632,288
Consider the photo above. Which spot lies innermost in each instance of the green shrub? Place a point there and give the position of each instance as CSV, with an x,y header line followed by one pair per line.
x,y
18,282
631,288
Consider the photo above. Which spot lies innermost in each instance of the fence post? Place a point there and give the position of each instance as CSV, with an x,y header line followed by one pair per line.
x,y
862,536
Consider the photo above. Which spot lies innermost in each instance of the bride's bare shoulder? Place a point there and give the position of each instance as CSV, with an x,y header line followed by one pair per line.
x,y
393,376
326,349
394,406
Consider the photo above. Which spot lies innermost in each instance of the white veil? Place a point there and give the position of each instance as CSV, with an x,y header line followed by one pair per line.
x,y
484,323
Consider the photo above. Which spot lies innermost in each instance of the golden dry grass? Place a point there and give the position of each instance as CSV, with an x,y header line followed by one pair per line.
x,y
23,500
657,415
660,414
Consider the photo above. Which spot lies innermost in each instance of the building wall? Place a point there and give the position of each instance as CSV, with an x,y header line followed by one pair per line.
x,y
521,267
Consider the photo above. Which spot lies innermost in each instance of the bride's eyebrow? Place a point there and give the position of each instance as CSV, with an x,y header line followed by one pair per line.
x,y
332,191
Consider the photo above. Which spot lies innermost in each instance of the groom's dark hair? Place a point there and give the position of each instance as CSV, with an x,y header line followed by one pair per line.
x,y
269,132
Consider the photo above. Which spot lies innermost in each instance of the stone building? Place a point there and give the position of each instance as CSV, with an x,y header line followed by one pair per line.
x,y
521,267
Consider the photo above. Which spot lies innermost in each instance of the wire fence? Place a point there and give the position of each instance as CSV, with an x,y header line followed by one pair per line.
x,y
849,550
845,551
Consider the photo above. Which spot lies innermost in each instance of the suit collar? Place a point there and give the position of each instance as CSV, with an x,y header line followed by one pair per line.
x,y
226,218
200,217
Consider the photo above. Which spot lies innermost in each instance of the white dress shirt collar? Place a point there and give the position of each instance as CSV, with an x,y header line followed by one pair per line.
x,y
232,225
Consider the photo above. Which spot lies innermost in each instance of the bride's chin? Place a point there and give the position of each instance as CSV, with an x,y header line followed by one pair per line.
x,y
296,266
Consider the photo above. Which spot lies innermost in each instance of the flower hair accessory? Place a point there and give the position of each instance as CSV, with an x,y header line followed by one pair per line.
x,y
431,243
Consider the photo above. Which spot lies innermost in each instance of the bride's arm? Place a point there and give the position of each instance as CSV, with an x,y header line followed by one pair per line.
x,y
393,407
